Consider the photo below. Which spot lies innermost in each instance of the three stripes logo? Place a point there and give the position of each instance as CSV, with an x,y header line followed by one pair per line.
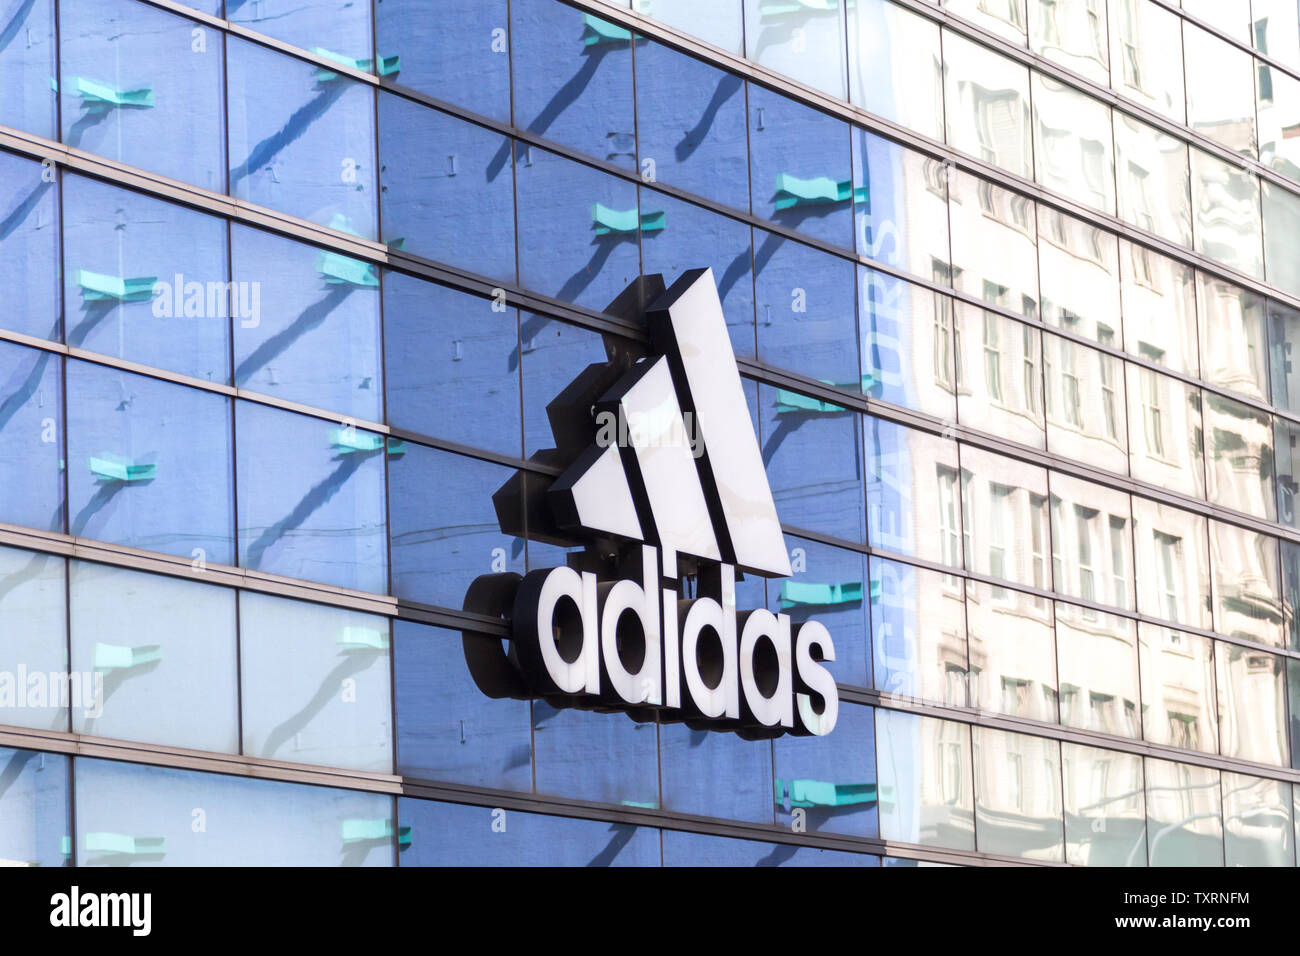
x,y
658,478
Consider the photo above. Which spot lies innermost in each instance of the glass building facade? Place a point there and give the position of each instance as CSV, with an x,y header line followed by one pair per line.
x,y
289,285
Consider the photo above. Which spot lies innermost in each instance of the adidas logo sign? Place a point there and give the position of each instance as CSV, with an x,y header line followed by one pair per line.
x,y
671,513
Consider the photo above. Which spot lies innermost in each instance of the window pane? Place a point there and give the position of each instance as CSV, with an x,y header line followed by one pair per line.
x,y
1288,470
246,822
146,280
1003,17
910,472
1072,144
315,684
681,848
310,331
1178,705
336,29
691,124
457,50
1018,795
161,654
455,207
302,139
1098,660
29,246
987,105
1153,183
1146,54
1072,33
1233,334
1105,813
832,586
1000,375
33,618
1284,355
1252,704
1166,439
142,87
994,244
1247,602
447,728
925,764
1257,821
1079,276
720,775
557,197
907,343
805,43
1184,826
1276,30
149,464
800,168
311,498
1092,543
1220,90
1281,228
1240,467
895,69
1173,574
845,760
554,354
720,22
31,420
607,758
1004,507
573,79
1012,652
26,97
901,210
441,345
1084,395
805,311
451,834
918,633
813,453
1226,200
1159,296
35,824
1277,104
445,526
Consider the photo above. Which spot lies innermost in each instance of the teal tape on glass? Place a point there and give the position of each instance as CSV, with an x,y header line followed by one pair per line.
x,y
820,793
388,65
780,8
809,594
121,843
115,469
596,31
349,441
93,92
362,639
115,657
357,831
344,270
99,288
792,191
625,222
788,402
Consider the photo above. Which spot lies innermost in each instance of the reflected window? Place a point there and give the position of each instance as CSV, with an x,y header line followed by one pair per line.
x,y
908,472
1257,828
1019,810
1003,17
1159,296
1166,443
1173,577
1247,599
1073,34
1152,179
987,105
1091,551
1252,704
1072,144
1226,202
907,343
1001,387
1184,826
804,42
1012,653
895,70
1240,456
1004,507
994,244
1097,656
1147,56
1105,809
925,763
1220,90
918,633
1178,704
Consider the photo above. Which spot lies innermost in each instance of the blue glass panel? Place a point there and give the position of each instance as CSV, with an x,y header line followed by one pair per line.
x,y
315,684
691,125
829,585
803,40
832,778
445,347
608,758
573,79
336,29
31,420
695,238
445,531
311,499
302,139
451,834
27,66
812,450
456,50
805,310
554,354
800,168
145,280
149,464
453,202
559,198
161,654
714,774
34,653
143,87
34,820
29,247
448,729
307,324
698,849
131,814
